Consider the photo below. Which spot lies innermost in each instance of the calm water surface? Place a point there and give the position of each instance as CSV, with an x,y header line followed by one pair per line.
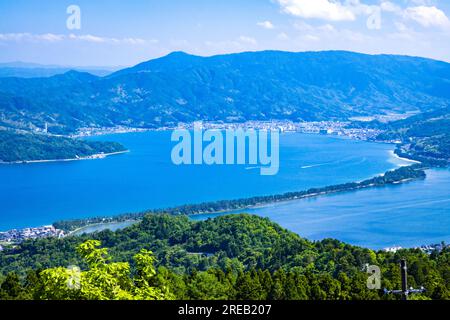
x,y
406,215
145,178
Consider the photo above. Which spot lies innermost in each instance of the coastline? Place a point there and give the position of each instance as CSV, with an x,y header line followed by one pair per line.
x,y
288,197
265,201
91,157
309,196
244,207
396,156
111,131
100,226
271,200
121,224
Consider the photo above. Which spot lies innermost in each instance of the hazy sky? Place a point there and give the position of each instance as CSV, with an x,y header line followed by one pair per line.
x,y
124,33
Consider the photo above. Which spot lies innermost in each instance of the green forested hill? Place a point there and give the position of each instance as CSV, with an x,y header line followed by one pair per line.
x,y
235,257
247,86
425,137
29,147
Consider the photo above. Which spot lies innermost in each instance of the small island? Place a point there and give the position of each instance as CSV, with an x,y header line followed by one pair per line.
x,y
17,147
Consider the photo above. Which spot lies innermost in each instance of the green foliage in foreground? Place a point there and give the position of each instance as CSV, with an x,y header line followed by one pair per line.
x,y
102,281
28,147
230,257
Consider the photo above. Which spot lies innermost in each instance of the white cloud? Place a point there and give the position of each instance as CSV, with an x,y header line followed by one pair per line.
x,y
420,11
421,2
283,36
428,16
326,28
50,37
401,26
248,40
390,7
266,25
311,37
319,9
20,37
90,38
97,39
138,41
242,43
303,26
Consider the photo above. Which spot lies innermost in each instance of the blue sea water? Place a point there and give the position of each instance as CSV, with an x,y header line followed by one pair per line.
x,y
406,215
145,178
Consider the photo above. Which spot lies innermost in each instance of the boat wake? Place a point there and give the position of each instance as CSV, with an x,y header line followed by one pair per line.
x,y
336,162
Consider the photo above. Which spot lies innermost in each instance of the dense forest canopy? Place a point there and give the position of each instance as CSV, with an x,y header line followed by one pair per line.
x,y
31,147
230,257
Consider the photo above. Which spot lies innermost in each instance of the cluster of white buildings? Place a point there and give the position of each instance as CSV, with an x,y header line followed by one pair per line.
x,y
339,128
392,249
86,132
19,235
434,247
426,248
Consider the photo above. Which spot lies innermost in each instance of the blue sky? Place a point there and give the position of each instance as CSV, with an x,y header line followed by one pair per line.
x,y
121,33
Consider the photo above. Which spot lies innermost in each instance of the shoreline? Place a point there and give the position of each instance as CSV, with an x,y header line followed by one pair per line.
x,y
263,204
318,127
283,198
138,215
100,225
392,154
396,156
308,196
112,132
91,157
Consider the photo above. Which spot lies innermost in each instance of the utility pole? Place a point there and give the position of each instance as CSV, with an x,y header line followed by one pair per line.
x,y
404,292
404,276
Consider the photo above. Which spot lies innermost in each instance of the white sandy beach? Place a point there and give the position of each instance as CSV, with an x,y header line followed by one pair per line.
x,y
92,157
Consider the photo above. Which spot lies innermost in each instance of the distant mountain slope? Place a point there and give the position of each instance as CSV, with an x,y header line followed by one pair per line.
x,y
44,72
237,87
34,70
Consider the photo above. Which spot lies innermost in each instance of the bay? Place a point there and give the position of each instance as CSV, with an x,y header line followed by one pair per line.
x,y
145,178
406,215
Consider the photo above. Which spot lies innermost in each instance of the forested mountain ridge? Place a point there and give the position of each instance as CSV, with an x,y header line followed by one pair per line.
x,y
237,87
231,257
425,137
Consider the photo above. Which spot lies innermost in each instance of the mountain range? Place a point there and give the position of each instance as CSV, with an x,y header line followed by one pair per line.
x,y
306,86
34,70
